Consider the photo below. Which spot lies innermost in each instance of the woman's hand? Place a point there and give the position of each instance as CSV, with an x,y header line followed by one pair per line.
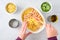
x,y
51,31
22,33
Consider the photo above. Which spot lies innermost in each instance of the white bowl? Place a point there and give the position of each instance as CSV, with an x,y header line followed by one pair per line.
x,y
12,12
49,10
40,14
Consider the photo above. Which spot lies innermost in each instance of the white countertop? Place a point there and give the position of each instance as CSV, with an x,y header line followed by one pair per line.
x,y
7,33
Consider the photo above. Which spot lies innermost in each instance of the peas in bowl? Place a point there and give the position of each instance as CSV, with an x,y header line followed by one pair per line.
x,y
45,6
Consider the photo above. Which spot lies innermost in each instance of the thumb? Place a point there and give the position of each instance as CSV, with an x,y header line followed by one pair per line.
x,y
24,27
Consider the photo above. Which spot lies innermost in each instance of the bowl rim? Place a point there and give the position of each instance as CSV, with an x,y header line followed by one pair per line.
x,y
6,6
39,13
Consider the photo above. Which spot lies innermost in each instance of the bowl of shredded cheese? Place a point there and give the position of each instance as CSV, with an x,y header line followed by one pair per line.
x,y
11,8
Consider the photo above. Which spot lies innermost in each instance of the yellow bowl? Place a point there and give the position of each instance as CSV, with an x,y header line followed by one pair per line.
x,y
11,8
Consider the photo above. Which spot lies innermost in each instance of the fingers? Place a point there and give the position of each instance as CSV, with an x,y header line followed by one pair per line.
x,y
48,26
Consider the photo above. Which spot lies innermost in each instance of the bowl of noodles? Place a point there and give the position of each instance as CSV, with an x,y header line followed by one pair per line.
x,y
34,18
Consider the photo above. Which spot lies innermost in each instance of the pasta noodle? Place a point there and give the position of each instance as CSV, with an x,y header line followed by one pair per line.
x,y
33,18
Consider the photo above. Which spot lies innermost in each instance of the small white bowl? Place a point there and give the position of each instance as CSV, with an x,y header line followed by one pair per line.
x,y
11,12
40,14
49,10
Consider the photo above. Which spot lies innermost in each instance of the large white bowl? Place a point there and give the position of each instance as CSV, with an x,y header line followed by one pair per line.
x,y
39,13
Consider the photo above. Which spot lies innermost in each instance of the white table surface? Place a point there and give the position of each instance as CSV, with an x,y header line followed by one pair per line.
x,y
7,33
